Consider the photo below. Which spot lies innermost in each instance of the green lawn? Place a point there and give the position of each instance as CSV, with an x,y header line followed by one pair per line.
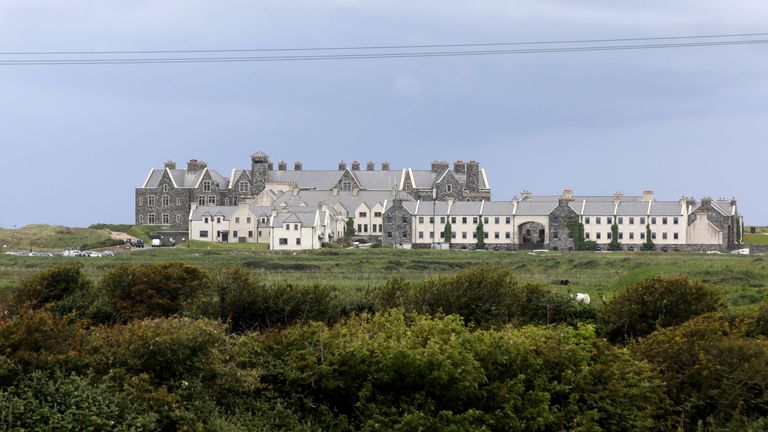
x,y
755,239
49,238
741,278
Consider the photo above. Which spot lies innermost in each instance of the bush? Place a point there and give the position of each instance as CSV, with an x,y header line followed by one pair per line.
x,y
248,303
154,290
716,377
56,285
484,296
396,371
656,303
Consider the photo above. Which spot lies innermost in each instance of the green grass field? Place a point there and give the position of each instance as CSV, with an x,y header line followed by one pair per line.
x,y
741,278
755,239
49,238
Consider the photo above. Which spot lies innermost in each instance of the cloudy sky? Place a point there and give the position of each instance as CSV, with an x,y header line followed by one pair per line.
x,y
77,139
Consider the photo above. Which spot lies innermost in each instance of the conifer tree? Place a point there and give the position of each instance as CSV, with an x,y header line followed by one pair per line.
x,y
480,234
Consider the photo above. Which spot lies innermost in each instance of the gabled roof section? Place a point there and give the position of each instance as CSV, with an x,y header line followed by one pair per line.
x,y
498,208
317,179
536,208
422,179
666,208
466,208
200,212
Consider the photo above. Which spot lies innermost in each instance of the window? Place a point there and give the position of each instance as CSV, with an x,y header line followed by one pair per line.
x,y
653,220
508,220
296,227
608,236
453,220
508,235
620,220
474,234
218,220
165,218
609,220
631,236
675,236
497,220
663,221
206,186
586,220
485,220
151,218
165,188
376,214
496,235
165,200
365,228
442,219
449,188
201,200
431,219
474,220
463,234
178,201
389,234
373,228
250,234
464,220
597,220
675,220
363,214
211,200
359,228
178,218
234,234
141,201
405,219
621,236
453,234
405,234
141,218
642,220
379,227
237,220
283,241
421,234
245,187
421,219
234,200
287,227
586,236
204,234
226,201
653,235
248,220
555,235
664,236
151,200
631,220
431,234
597,236
298,241
485,235
346,185
205,220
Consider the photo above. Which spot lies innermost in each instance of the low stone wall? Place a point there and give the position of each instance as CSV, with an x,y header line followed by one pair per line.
x,y
757,249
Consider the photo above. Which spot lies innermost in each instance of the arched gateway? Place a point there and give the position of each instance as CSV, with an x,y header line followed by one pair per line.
x,y
530,235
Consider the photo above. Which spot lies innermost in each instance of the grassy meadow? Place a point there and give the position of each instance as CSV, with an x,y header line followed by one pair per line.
x,y
741,278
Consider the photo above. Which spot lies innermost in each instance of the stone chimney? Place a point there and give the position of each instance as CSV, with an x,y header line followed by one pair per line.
x,y
169,164
525,194
618,195
355,165
270,166
282,166
706,200
342,166
297,166
473,176
647,195
439,166
370,166
195,165
385,166
459,167
567,194
690,201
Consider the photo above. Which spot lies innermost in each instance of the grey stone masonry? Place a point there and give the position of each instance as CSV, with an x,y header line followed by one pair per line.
x,y
559,234
726,223
397,225
163,205
260,164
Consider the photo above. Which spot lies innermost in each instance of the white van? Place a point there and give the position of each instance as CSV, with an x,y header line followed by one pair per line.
x,y
156,243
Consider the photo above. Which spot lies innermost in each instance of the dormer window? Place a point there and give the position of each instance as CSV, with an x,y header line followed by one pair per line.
x,y
346,185
244,187
206,186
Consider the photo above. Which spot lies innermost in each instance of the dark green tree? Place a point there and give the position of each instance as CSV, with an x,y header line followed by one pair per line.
x,y
349,230
480,234
614,245
648,245
447,233
576,232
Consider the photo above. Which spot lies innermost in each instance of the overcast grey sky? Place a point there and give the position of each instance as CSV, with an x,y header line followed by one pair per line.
x,y
77,140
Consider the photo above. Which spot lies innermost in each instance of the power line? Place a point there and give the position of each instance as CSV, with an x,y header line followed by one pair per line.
x,y
385,47
374,55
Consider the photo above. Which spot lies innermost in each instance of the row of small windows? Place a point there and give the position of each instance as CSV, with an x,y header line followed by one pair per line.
x,y
464,235
165,219
465,219
363,228
664,236
631,220
284,241
243,186
165,200
365,214
204,234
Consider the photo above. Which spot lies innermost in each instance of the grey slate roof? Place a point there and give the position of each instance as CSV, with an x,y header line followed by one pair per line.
x,y
597,208
666,208
633,208
346,198
496,208
535,208
317,179
425,208
224,211
378,180
465,208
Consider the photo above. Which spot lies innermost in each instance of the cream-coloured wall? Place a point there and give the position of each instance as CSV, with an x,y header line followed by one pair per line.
x,y
703,232
636,229
305,233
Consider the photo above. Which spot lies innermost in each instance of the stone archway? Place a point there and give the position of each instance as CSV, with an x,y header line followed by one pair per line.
x,y
530,235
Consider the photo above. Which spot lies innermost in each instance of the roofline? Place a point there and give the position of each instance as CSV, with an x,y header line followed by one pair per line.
x,y
485,178
168,170
201,178
232,178
144,185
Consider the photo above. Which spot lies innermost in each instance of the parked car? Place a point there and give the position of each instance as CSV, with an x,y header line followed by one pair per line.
x,y
156,243
108,254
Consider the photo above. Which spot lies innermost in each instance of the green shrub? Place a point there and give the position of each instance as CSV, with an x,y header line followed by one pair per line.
x,y
248,303
58,284
154,290
484,296
656,303
396,371
716,377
